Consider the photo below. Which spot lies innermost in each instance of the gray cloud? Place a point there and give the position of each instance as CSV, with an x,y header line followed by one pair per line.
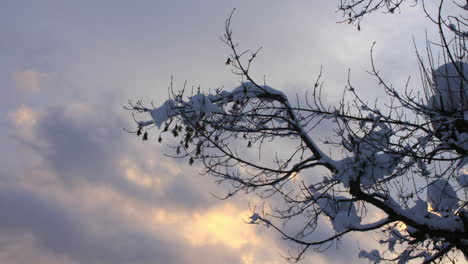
x,y
61,230
82,151
100,55
65,232
85,148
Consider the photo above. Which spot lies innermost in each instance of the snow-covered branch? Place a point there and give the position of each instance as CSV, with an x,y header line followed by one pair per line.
x,y
404,160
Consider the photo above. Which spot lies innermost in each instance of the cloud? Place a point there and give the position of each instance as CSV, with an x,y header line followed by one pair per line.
x,y
24,122
23,117
17,247
30,80
106,192
71,230
221,225
93,200
99,195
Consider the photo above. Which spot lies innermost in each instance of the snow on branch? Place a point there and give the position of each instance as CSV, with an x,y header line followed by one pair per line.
x,y
404,160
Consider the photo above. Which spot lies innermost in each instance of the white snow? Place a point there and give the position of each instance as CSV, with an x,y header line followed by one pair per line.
x,y
254,218
463,178
164,112
206,105
451,91
201,103
462,142
340,210
373,256
250,90
372,168
368,159
419,209
441,196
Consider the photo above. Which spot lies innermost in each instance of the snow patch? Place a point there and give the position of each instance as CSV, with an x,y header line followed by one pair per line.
x,y
441,196
164,112
373,256
340,210
450,89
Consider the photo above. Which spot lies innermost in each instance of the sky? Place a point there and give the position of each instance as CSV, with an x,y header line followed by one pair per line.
x,y
76,188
